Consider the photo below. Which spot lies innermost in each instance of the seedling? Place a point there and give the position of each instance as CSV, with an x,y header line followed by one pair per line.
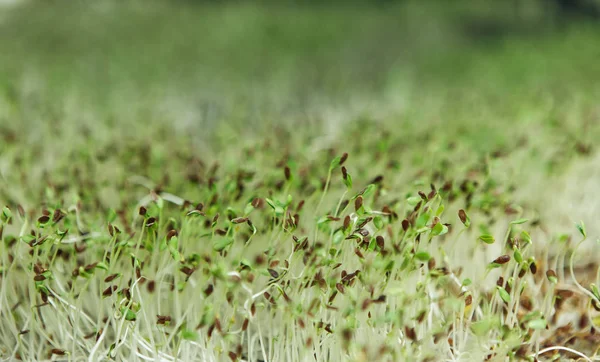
x,y
228,229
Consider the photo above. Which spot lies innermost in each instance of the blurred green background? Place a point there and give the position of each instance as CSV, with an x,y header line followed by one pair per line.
x,y
213,58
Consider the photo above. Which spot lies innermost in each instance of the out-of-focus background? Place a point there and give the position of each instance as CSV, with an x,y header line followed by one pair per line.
x,y
207,59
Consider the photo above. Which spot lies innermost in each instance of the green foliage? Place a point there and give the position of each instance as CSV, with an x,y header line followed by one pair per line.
x,y
171,176
487,238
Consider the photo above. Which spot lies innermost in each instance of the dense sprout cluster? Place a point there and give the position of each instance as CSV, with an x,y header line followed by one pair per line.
x,y
277,258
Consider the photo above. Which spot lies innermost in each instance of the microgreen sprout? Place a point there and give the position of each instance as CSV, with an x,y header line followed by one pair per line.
x,y
145,215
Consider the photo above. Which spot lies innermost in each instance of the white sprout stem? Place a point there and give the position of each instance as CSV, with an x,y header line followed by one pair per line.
x,y
77,216
584,290
174,199
464,289
144,201
122,318
180,323
262,345
75,239
146,319
55,295
142,181
560,348
121,340
96,346
163,356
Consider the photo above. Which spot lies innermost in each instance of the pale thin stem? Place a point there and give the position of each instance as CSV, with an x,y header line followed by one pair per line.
x,y
560,348
584,290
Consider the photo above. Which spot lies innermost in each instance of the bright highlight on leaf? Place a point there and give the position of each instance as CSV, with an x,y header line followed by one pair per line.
x,y
423,256
537,324
503,294
581,228
486,238
519,221
439,229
